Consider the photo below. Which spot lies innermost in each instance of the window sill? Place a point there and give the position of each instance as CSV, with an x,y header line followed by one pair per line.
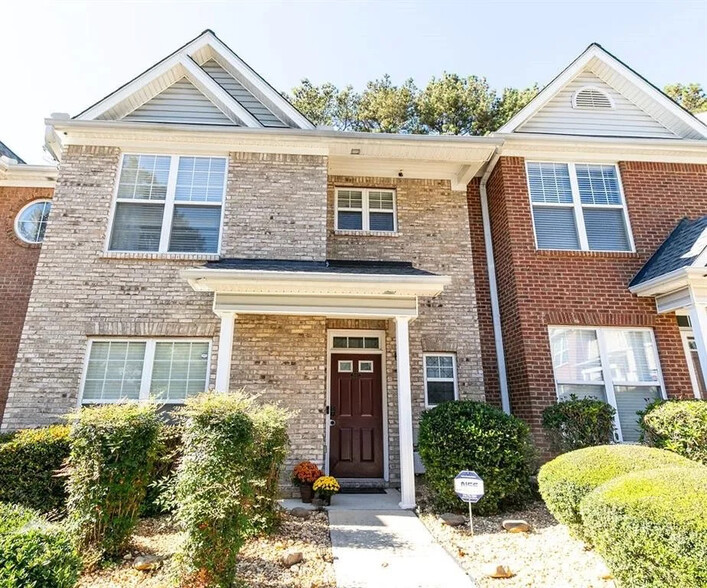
x,y
349,233
575,253
147,256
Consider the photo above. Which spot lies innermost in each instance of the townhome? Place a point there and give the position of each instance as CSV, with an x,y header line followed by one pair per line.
x,y
205,235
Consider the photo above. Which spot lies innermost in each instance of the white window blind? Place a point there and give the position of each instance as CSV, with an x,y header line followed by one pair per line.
x,y
440,378
578,207
365,210
169,204
618,366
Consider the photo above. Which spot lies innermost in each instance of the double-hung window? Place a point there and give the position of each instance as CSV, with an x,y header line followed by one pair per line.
x,y
365,210
169,203
440,378
618,366
578,206
119,370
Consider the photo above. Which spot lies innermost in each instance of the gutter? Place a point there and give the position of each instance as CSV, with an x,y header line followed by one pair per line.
x,y
493,287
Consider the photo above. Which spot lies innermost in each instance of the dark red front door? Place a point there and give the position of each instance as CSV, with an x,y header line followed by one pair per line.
x,y
356,435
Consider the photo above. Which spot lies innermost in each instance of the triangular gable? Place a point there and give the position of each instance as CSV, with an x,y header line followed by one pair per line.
x,y
631,106
208,66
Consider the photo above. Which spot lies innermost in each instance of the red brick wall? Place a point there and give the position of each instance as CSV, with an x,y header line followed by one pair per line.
x,y
541,288
18,261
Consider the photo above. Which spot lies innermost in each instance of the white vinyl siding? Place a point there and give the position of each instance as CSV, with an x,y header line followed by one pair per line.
x,y
440,371
578,206
168,204
616,365
182,102
120,370
358,209
625,119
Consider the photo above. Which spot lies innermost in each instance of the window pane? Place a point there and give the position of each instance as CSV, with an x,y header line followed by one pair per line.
x,y
144,177
606,229
195,229
201,179
378,200
350,221
549,182
114,370
32,222
631,356
440,366
598,184
630,400
555,228
372,343
439,392
381,221
356,342
341,342
575,355
179,369
350,199
136,227
565,391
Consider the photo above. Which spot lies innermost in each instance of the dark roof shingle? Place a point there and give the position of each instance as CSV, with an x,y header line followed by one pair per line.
x,y
7,152
393,268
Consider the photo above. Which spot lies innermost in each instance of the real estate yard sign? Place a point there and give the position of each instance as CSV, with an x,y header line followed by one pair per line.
x,y
470,488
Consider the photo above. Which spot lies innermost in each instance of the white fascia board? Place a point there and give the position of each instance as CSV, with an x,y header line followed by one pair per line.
x,y
22,175
670,282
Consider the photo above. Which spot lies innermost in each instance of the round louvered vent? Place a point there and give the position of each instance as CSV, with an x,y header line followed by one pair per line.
x,y
592,99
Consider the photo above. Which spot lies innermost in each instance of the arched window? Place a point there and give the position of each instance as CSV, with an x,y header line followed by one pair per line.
x,y
31,222
592,98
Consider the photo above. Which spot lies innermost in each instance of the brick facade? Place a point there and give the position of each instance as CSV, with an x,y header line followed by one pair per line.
x,y
541,288
18,261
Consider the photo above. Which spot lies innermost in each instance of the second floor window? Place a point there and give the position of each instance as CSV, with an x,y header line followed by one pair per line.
x,y
578,207
365,210
169,204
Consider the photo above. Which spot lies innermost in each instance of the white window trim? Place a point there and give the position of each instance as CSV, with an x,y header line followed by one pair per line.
x,y
19,214
169,203
426,379
577,207
595,89
147,366
607,380
685,334
366,210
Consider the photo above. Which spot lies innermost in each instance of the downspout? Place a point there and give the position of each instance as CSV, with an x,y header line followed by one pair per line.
x,y
493,289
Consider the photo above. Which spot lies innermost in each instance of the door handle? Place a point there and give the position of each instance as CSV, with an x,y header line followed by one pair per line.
x,y
332,422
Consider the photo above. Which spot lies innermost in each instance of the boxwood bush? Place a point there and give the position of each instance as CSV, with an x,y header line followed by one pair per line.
x,y
579,422
679,426
469,435
33,552
113,450
651,527
29,462
567,479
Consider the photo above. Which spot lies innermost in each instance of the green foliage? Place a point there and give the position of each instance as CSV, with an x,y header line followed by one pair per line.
x,y
387,108
158,499
226,480
467,435
113,451
567,479
679,426
651,527
34,553
29,462
578,423
691,97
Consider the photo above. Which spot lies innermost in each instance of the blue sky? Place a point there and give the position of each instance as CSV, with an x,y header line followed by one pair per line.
x,y
62,56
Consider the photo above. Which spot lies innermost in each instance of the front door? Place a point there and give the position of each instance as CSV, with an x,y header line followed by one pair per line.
x,y
356,413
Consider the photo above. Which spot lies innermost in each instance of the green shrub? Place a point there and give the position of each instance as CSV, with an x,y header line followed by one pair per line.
x,y
113,450
679,426
577,423
225,479
651,527
567,479
34,553
467,435
169,451
28,468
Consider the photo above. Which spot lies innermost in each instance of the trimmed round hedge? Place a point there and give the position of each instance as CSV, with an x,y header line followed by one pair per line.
x,y
679,426
651,527
567,479
468,435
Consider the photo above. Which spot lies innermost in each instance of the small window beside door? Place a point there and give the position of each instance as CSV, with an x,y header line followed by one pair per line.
x,y
440,378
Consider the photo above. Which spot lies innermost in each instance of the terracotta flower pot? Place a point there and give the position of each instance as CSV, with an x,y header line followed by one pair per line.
x,y
306,492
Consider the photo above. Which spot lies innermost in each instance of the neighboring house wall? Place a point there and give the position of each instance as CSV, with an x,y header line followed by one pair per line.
x,y
18,261
541,288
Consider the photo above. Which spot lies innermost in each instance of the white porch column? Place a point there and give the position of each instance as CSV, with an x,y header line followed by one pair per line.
x,y
407,468
698,319
225,352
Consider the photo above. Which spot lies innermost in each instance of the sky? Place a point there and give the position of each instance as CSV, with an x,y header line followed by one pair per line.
x,y
63,56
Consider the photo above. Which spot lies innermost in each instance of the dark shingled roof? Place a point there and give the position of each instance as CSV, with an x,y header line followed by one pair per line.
x,y
7,152
392,268
669,256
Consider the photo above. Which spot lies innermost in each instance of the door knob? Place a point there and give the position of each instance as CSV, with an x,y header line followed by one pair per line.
x,y
332,422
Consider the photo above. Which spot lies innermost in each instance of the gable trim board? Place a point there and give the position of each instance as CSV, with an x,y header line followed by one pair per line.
x,y
624,82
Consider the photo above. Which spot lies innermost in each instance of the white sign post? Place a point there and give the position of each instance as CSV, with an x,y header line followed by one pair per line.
x,y
470,488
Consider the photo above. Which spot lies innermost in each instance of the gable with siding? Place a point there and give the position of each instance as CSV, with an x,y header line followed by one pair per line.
x,y
625,119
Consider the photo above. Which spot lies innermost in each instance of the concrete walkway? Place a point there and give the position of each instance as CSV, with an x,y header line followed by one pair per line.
x,y
378,545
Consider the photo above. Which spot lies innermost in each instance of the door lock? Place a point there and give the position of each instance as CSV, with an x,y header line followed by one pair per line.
x,y
332,422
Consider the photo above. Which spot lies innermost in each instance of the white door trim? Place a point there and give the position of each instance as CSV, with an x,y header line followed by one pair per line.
x,y
685,334
331,333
